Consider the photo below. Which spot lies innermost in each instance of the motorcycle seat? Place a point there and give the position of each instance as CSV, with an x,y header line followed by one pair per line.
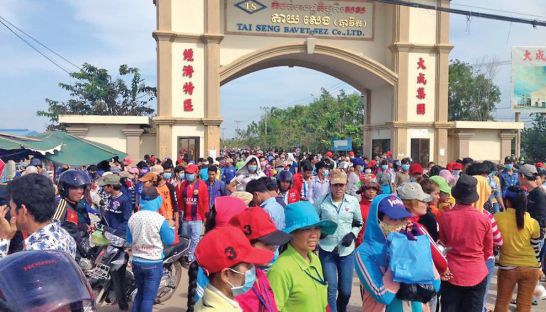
x,y
176,248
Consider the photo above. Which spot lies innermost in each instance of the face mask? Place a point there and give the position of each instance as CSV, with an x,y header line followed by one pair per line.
x,y
268,266
456,172
387,229
326,173
190,177
263,163
360,169
509,166
384,167
368,171
167,175
252,168
405,167
250,278
181,175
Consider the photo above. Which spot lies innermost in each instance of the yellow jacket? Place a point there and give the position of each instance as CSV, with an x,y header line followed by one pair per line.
x,y
213,300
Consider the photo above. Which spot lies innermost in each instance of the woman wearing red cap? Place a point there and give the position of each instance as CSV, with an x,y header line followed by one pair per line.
x,y
262,233
229,262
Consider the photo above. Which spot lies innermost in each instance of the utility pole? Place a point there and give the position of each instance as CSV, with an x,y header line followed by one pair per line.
x,y
237,122
266,111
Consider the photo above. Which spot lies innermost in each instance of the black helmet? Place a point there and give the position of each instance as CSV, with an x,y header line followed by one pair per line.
x,y
43,281
73,178
285,176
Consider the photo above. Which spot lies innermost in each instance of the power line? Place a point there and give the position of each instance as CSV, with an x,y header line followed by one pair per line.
x,y
40,43
504,18
34,48
495,10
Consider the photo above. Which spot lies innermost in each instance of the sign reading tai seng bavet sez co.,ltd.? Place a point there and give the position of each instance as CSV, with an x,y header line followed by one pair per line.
x,y
529,79
304,18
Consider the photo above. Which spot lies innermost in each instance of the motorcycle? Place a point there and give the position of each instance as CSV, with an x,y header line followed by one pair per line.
x,y
114,255
111,258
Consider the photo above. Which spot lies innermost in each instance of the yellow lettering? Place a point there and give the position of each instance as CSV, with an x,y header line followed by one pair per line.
x,y
251,6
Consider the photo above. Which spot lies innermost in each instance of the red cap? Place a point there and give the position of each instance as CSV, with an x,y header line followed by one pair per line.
x,y
457,166
227,246
450,166
351,154
416,168
192,168
227,207
329,154
539,165
372,164
256,224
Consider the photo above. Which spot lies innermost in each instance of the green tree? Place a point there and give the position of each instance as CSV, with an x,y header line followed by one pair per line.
x,y
311,127
472,94
533,139
95,92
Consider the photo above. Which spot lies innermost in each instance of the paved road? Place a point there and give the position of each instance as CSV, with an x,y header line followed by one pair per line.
x,y
178,302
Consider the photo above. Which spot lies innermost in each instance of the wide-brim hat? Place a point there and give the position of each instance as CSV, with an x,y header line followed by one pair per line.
x,y
465,191
303,215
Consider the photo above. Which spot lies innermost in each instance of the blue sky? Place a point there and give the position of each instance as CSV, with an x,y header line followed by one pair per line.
x,y
109,33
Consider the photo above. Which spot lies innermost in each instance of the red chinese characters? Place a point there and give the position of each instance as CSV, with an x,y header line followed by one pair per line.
x,y
187,72
421,83
527,56
188,55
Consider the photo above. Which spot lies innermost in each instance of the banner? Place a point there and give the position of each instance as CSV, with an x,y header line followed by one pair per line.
x,y
529,79
301,18
342,145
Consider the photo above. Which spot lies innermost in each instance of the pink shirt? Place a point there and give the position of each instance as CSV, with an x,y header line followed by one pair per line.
x,y
260,298
467,234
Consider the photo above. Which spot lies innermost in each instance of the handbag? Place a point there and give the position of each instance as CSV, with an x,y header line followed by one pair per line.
x,y
416,292
410,260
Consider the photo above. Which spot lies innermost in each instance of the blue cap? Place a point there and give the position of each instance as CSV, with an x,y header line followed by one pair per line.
x,y
394,208
302,215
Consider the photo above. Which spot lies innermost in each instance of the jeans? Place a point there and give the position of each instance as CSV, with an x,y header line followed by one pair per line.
x,y
193,231
462,298
491,267
338,272
147,279
526,278
120,289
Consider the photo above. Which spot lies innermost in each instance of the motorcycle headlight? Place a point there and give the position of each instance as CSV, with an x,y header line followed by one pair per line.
x,y
115,240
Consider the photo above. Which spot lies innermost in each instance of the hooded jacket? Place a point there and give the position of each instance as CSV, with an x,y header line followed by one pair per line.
x,y
371,263
244,176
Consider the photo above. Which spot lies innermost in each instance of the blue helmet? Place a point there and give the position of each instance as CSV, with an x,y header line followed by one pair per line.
x,y
73,178
284,176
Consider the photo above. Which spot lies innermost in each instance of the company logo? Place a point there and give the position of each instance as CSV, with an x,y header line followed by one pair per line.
x,y
250,6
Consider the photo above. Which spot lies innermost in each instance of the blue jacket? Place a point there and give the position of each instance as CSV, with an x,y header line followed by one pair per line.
x,y
371,263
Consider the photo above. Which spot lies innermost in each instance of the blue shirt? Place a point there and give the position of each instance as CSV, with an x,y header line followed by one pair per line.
x,y
118,212
275,211
228,174
508,180
217,188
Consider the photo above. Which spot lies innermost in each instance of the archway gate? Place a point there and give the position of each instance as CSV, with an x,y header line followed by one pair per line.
x,y
396,56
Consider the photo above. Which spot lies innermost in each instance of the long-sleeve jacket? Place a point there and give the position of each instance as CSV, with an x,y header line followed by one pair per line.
x,y
371,266
348,218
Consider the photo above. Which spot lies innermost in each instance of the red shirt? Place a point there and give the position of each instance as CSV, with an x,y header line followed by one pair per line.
x,y
365,211
193,199
467,232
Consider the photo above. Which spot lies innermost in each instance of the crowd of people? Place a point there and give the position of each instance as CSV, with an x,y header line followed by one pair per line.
x,y
287,232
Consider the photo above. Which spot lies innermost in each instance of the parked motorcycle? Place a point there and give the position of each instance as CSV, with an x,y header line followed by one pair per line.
x,y
113,255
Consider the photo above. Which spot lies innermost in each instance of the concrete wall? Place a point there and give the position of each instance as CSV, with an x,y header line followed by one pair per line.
x,y
147,144
110,135
485,145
